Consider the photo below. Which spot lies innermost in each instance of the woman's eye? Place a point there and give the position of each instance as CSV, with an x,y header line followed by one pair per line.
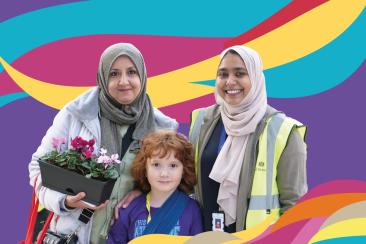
x,y
113,74
222,75
240,74
132,72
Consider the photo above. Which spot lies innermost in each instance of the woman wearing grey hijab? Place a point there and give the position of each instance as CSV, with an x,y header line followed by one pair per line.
x,y
250,158
118,106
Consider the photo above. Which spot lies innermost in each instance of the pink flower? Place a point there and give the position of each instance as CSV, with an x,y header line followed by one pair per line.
x,y
107,160
87,153
103,151
57,142
76,143
104,159
86,147
114,158
91,142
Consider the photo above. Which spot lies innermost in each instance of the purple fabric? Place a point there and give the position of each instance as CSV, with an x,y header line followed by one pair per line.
x,y
132,221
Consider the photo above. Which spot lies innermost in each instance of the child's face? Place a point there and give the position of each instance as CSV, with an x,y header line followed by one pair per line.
x,y
164,174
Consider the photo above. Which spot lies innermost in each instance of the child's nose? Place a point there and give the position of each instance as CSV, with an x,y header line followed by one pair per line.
x,y
164,172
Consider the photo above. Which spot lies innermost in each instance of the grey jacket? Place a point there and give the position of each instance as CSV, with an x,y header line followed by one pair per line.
x,y
291,171
80,118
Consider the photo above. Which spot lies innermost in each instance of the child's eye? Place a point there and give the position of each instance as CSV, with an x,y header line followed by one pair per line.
x,y
174,165
155,165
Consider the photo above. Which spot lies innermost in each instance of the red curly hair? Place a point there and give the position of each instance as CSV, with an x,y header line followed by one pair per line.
x,y
164,142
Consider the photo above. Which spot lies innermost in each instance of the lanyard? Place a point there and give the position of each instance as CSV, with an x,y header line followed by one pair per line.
x,y
222,138
148,196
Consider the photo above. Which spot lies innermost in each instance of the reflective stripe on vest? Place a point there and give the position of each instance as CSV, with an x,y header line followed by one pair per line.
x,y
194,130
264,196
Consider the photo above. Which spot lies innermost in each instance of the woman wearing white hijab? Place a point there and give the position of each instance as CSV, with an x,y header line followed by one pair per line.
x,y
250,158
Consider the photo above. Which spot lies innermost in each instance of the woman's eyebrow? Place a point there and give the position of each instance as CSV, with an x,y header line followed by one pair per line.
x,y
240,69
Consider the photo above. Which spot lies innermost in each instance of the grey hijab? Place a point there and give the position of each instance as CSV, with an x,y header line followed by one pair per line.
x,y
139,112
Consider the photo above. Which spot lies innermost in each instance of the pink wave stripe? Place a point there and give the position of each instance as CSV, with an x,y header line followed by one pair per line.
x,y
74,61
181,111
261,236
309,230
285,234
335,187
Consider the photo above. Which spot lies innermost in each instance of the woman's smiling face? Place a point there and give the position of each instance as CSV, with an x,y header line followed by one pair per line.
x,y
124,83
232,81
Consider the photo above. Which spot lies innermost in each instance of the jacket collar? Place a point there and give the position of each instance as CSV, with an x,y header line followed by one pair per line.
x,y
86,106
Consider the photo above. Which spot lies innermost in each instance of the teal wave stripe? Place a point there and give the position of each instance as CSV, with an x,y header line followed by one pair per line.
x,y
6,99
321,70
189,18
344,240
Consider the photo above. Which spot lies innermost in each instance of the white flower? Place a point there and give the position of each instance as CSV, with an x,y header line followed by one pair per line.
x,y
103,151
106,160
114,158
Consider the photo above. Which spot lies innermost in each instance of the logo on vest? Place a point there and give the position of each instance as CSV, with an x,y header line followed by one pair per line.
x,y
260,166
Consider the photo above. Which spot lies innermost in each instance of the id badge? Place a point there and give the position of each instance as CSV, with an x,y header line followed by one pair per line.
x,y
218,221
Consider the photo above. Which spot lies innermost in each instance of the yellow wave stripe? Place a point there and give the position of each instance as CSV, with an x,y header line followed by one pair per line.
x,y
295,39
349,227
55,96
307,33
159,238
253,232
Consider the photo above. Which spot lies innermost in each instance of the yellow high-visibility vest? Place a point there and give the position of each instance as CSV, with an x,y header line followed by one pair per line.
x,y
264,197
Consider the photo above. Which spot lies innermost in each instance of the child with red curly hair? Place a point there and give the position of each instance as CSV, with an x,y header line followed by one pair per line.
x,y
164,170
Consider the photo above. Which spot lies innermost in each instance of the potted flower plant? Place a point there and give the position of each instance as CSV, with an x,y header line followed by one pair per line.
x,y
79,170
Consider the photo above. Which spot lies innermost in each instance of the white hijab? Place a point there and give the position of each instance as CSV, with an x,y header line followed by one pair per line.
x,y
239,121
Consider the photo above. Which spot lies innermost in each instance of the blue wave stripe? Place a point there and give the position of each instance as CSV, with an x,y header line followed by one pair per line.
x,y
320,70
193,18
344,240
323,69
6,99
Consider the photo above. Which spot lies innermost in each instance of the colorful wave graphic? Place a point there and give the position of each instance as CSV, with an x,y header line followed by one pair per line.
x,y
284,49
314,61
323,215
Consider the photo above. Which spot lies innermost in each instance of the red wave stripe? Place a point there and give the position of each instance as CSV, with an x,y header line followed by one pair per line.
x,y
317,207
286,14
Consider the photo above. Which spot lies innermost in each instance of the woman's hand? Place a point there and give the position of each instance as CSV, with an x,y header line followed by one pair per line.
x,y
77,202
125,201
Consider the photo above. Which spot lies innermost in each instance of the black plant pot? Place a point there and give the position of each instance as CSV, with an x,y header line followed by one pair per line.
x,y
71,183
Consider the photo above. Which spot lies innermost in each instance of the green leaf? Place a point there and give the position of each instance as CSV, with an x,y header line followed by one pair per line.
x,y
86,165
111,173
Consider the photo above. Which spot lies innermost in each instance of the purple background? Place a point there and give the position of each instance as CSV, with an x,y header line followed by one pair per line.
x,y
335,137
335,140
11,8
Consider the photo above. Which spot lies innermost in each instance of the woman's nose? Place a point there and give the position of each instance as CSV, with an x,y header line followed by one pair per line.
x,y
123,79
231,80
